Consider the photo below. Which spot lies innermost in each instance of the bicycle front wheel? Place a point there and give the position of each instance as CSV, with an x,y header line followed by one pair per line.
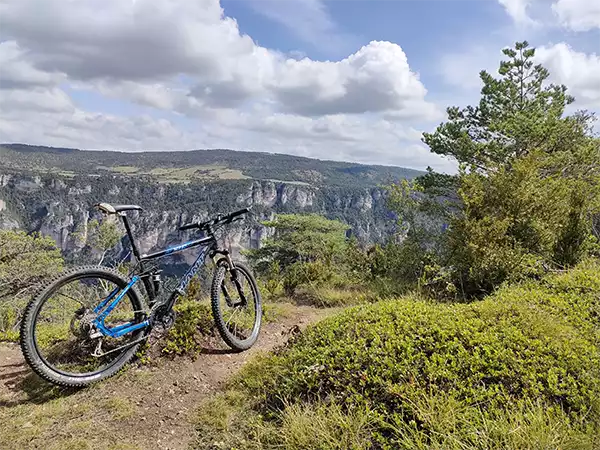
x,y
236,305
58,337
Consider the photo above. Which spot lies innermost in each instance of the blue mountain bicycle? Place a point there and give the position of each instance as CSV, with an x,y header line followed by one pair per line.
x,y
86,324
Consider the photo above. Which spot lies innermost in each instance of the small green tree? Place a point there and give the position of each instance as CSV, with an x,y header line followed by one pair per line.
x,y
304,248
102,236
25,260
518,112
528,185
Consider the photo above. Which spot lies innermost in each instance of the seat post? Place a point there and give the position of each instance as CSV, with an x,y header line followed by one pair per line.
x,y
130,235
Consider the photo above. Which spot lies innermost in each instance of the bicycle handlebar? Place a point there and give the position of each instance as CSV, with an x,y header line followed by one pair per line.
x,y
219,220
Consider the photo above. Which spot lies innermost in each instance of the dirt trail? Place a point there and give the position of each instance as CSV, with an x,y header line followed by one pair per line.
x,y
146,407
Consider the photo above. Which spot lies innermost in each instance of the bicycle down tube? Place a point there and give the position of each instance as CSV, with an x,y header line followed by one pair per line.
x,y
129,327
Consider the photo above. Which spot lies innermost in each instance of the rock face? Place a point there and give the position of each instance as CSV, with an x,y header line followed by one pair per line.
x,y
7,220
62,208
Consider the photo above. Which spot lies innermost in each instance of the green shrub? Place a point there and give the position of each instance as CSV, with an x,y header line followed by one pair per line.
x,y
306,274
193,322
485,368
270,282
389,270
518,222
305,250
331,297
573,295
25,261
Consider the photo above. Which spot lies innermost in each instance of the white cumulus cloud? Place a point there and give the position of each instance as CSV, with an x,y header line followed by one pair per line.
x,y
375,78
578,15
580,72
518,10
210,84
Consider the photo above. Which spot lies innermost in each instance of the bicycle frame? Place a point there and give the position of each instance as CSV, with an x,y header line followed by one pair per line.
x,y
109,303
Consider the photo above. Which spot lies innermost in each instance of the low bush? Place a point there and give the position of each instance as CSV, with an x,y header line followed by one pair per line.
x,y
573,295
520,369
193,323
25,262
331,297
491,353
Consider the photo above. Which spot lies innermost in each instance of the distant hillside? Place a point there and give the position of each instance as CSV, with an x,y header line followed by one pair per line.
x,y
187,166
53,190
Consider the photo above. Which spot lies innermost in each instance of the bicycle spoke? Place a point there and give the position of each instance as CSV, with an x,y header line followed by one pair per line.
x,y
64,330
78,301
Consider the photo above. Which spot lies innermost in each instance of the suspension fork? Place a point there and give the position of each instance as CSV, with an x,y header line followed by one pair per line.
x,y
234,277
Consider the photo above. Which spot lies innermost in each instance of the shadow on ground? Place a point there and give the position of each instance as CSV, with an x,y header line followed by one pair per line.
x,y
26,387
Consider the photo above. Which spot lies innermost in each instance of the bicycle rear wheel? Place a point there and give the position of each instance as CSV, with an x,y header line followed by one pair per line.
x,y
57,331
236,305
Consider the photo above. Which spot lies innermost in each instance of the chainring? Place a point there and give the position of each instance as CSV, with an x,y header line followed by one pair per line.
x,y
163,318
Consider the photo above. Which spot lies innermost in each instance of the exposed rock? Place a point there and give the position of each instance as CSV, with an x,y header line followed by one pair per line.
x,y
57,183
4,179
27,184
7,220
80,190
64,208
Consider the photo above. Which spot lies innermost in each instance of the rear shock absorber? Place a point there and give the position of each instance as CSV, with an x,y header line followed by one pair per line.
x,y
156,282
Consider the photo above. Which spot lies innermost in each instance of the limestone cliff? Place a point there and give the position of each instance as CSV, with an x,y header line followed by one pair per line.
x,y
62,207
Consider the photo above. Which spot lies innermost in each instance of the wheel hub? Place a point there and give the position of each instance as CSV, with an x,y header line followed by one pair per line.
x,y
82,323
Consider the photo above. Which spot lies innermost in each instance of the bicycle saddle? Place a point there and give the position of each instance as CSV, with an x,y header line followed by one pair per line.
x,y
114,209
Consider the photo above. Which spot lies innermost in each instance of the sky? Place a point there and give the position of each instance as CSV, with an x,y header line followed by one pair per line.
x,y
350,80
